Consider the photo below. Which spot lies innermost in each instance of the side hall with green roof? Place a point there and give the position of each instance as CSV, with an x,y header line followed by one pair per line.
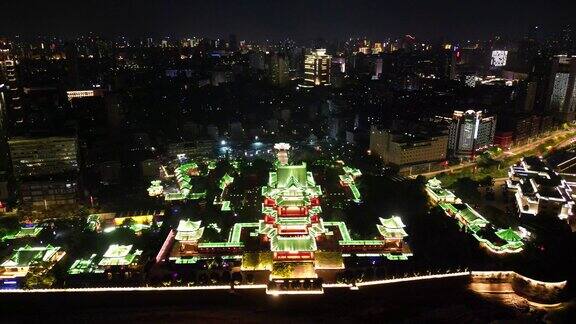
x,y
348,179
223,184
495,240
225,181
116,258
23,232
509,242
85,266
439,194
468,218
27,257
120,255
390,245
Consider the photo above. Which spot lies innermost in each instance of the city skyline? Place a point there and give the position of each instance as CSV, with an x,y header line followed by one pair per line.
x,y
182,160
260,20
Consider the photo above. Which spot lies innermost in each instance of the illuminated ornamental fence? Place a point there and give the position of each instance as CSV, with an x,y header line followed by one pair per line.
x,y
494,240
499,276
539,189
291,241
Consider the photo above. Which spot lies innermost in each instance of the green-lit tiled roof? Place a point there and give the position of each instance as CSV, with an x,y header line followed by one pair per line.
x,y
392,222
225,181
119,255
189,230
508,235
27,255
289,175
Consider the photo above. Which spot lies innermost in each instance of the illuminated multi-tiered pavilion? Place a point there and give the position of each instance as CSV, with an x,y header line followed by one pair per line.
x,y
291,211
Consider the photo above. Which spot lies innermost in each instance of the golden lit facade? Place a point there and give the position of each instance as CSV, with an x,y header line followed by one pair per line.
x,y
317,69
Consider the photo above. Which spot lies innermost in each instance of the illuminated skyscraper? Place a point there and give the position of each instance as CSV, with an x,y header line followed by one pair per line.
x,y
279,70
5,166
14,111
317,69
562,88
470,132
4,156
233,42
3,90
377,69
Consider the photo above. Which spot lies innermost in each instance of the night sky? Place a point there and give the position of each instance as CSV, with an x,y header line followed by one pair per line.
x,y
276,19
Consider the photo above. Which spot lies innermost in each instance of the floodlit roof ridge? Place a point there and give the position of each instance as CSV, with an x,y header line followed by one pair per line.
x,y
188,225
393,222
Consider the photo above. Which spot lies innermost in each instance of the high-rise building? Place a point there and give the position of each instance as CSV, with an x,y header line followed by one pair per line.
x,y
377,48
49,193
340,64
317,66
470,132
257,60
33,157
279,70
562,87
526,126
530,95
4,154
404,149
566,40
233,42
46,170
3,92
377,69
12,98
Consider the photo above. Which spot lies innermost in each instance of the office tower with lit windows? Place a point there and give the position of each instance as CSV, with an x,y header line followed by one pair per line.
x,y
279,70
233,42
562,87
405,149
46,169
14,112
317,69
4,154
3,94
7,73
470,132
32,157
